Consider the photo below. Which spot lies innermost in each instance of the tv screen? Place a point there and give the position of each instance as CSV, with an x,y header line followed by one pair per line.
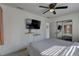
x,y
33,24
59,27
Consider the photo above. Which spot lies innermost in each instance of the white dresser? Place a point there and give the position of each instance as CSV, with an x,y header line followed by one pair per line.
x,y
31,37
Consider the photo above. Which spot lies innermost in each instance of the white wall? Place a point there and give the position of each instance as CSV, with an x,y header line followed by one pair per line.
x,y
14,29
75,19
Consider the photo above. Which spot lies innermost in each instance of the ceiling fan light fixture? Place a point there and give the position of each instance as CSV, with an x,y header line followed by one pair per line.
x,y
52,7
51,10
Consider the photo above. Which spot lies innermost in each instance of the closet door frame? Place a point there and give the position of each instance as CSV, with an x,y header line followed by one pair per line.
x,y
1,26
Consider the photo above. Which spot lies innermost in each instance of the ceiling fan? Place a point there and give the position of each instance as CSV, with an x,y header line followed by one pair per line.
x,y
52,8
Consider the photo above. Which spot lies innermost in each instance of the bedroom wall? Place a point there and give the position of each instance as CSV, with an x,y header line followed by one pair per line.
x,y
75,19
14,29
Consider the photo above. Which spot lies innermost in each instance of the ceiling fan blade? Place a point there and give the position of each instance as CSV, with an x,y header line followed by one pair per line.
x,y
51,6
62,7
54,4
54,12
45,11
43,7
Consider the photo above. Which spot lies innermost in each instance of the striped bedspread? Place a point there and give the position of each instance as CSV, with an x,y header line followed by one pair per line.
x,y
59,50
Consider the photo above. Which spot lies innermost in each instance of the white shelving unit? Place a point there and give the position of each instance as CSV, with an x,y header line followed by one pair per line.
x,y
32,37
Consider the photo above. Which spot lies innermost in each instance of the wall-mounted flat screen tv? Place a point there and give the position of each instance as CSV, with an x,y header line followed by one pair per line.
x,y
33,24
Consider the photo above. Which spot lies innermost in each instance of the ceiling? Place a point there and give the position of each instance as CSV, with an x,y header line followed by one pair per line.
x,y
34,8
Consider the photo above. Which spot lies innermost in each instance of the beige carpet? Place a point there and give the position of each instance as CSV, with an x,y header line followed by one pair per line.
x,y
22,52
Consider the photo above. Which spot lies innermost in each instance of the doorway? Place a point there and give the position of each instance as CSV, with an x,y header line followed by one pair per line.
x,y
64,30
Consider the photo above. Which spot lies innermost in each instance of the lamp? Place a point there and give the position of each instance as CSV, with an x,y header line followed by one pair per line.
x,y
51,10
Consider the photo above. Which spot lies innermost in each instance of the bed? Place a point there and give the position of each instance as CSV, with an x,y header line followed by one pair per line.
x,y
36,48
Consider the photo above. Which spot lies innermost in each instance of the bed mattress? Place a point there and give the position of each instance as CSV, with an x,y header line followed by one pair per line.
x,y
36,48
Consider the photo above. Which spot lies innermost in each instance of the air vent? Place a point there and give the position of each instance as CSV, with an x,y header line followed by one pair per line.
x,y
47,17
20,8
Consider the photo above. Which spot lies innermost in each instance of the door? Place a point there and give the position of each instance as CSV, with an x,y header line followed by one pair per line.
x,y
47,31
1,27
53,30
